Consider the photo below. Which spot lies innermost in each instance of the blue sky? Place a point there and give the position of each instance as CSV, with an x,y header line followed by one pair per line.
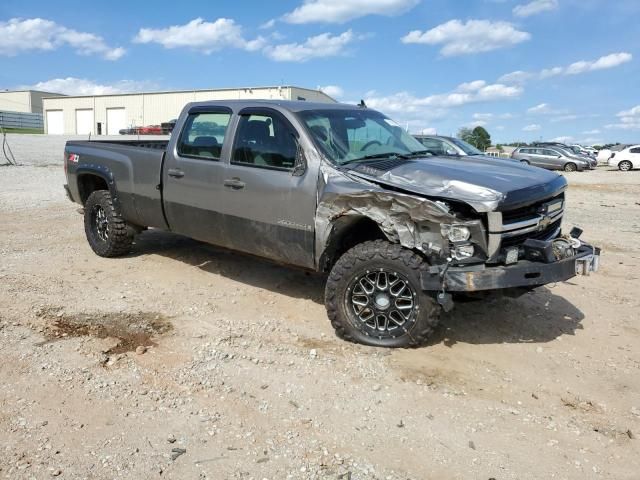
x,y
525,69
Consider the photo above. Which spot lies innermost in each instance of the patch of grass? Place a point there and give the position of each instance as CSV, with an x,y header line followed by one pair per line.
x,y
21,130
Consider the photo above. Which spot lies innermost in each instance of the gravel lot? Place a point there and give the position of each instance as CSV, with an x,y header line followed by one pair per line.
x,y
186,361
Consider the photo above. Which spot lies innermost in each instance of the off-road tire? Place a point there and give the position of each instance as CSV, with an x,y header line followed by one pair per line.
x,y
371,257
625,166
117,241
570,167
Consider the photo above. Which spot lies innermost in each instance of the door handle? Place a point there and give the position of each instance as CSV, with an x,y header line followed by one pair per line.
x,y
234,183
175,173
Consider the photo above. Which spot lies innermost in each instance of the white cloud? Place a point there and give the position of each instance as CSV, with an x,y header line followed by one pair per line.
x,y
473,36
409,105
534,127
603,63
268,24
635,111
83,86
428,131
535,7
541,108
206,37
341,11
323,45
628,120
515,77
565,139
21,35
591,132
491,116
332,90
583,66
545,109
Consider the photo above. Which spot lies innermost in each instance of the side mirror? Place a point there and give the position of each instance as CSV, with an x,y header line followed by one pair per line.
x,y
300,164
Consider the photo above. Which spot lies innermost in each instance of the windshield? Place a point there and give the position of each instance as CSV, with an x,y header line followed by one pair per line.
x,y
467,148
346,136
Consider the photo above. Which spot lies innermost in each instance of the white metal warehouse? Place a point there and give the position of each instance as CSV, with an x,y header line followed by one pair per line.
x,y
108,114
23,101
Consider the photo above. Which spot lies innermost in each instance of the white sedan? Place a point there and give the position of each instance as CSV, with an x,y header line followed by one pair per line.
x,y
627,159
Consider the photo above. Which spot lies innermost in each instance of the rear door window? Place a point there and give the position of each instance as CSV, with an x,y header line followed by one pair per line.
x,y
203,135
265,140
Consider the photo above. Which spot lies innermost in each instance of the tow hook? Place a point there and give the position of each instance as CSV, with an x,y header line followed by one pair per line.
x,y
445,299
588,264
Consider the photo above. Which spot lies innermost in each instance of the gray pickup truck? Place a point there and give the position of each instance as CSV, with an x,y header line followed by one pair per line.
x,y
339,189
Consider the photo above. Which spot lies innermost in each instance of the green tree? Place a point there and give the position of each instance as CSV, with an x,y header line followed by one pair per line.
x,y
482,138
478,137
466,134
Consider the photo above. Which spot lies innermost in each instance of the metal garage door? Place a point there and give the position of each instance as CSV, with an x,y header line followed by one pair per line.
x,y
84,121
55,122
116,120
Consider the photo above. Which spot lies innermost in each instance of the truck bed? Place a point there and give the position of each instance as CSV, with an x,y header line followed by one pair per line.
x,y
155,144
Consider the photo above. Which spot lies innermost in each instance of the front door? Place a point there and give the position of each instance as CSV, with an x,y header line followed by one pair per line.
x,y
269,211
193,176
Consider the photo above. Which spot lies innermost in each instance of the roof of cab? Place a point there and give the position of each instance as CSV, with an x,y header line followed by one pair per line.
x,y
291,105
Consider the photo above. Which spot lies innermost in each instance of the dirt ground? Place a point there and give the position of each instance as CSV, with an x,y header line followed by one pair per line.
x,y
185,361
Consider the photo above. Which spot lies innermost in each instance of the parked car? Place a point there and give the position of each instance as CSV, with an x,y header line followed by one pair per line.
x,y
447,146
551,158
590,151
336,189
627,159
604,155
569,151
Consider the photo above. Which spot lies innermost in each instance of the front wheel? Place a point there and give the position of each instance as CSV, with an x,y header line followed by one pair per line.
x,y
107,232
625,165
525,162
373,297
570,167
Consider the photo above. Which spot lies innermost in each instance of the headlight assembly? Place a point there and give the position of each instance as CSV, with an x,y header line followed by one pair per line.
x,y
455,233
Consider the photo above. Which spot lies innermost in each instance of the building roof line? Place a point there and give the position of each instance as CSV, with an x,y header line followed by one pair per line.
x,y
194,90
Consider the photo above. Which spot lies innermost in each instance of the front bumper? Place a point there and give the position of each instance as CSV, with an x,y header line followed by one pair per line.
x,y
525,273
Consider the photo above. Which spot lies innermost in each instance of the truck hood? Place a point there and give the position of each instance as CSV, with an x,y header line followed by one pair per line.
x,y
486,184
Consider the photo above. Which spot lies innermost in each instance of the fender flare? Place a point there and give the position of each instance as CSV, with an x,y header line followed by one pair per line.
x,y
104,173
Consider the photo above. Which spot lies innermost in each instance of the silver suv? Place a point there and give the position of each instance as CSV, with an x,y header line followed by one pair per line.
x,y
550,158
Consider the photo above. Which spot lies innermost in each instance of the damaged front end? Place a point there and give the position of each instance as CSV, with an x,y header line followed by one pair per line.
x,y
470,248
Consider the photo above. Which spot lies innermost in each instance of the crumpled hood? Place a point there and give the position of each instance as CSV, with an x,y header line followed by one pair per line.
x,y
485,183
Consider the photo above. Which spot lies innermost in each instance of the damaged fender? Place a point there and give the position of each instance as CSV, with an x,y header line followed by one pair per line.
x,y
408,220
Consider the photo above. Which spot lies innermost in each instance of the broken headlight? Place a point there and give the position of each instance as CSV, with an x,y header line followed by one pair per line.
x,y
455,233
461,252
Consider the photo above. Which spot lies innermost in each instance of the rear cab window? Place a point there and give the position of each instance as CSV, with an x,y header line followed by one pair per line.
x,y
265,140
203,134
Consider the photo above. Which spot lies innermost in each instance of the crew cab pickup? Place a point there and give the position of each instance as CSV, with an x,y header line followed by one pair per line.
x,y
339,189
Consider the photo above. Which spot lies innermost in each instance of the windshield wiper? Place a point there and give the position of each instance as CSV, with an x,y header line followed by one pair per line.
x,y
373,156
419,152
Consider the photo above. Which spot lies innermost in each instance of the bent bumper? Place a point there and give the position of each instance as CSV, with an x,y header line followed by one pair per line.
x,y
523,274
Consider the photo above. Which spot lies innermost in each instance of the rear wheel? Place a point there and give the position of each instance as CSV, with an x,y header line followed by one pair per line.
x,y
570,167
107,232
373,296
625,165
526,162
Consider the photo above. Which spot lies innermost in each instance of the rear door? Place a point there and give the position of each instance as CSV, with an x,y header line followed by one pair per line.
x,y
269,211
193,174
